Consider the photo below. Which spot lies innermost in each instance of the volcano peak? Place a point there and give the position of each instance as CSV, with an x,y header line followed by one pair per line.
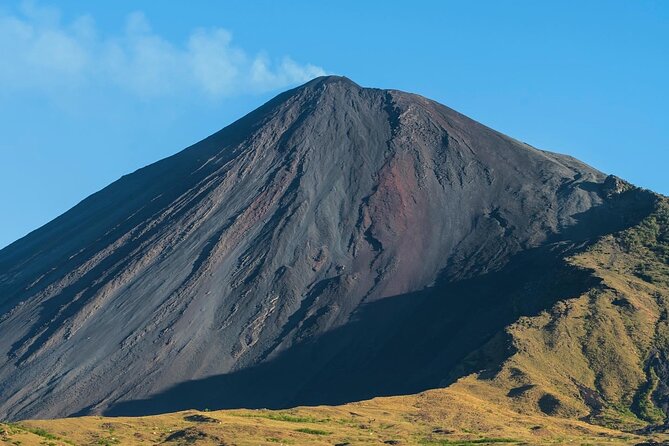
x,y
285,252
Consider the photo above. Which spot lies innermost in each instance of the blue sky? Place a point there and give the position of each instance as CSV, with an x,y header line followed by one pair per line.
x,y
90,91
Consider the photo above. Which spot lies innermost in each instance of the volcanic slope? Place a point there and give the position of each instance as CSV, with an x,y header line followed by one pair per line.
x,y
338,243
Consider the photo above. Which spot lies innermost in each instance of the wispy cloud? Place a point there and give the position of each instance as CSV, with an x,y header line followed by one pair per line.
x,y
40,52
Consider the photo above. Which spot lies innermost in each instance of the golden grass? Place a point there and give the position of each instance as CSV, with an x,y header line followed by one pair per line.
x,y
443,416
599,342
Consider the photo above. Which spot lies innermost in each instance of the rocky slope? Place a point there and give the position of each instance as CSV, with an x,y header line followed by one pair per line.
x,y
336,244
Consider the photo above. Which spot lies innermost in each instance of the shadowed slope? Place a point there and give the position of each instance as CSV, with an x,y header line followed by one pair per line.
x,y
397,345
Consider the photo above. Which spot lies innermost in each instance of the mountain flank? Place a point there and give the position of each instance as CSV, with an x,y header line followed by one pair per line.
x,y
338,244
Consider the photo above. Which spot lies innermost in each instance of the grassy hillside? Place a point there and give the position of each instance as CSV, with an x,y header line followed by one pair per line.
x,y
439,417
592,369
601,356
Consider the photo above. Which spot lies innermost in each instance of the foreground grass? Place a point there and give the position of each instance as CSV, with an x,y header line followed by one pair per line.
x,y
470,442
451,416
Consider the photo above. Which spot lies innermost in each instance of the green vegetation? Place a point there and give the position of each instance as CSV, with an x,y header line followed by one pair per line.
x,y
108,441
476,441
41,433
10,431
38,431
281,416
643,404
307,430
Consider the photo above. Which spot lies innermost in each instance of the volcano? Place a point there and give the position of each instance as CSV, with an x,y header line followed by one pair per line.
x,y
336,244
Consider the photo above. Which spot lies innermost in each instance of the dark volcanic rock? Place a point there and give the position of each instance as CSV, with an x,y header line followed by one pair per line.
x,y
335,244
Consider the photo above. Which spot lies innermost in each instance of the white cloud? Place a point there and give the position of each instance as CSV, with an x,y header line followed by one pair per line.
x,y
41,53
